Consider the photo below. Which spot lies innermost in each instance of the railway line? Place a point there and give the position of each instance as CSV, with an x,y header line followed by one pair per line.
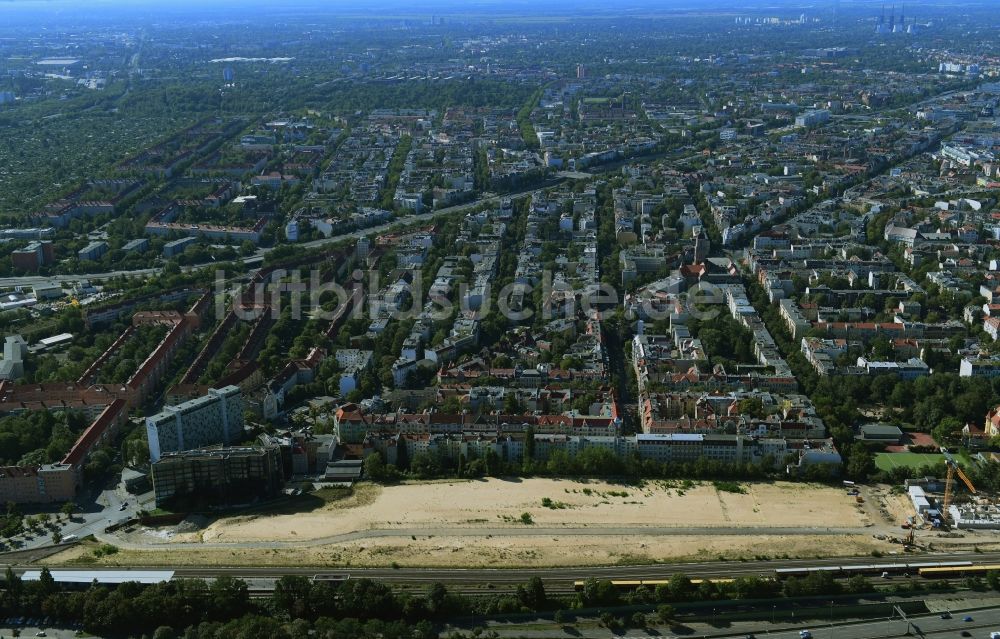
x,y
486,580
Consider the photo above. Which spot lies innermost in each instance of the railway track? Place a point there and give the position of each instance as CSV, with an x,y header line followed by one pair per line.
x,y
475,580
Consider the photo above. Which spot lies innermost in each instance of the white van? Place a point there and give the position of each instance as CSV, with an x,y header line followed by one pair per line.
x,y
69,538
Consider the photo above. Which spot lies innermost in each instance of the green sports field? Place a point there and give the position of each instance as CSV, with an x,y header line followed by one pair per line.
x,y
888,461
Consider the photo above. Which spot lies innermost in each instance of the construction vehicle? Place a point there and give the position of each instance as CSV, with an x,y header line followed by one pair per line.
x,y
908,541
949,485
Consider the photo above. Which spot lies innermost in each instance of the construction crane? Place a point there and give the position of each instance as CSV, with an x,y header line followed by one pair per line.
x,y
949,484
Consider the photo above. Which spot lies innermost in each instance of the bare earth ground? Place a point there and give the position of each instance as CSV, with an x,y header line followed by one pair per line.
x,y
496,551
497,503
477,523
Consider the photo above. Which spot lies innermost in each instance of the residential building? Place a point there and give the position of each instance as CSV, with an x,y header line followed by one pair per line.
x,y
93,251
177,246
352,363
49,483
33,256
138,245
810,119
970,367
215,418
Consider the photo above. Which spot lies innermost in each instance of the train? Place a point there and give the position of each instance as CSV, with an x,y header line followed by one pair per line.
x,y
871,569
928,569
331,578
632,584
945,572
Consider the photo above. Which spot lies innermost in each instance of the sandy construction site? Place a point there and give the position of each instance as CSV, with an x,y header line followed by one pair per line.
x,y
479,523
496,504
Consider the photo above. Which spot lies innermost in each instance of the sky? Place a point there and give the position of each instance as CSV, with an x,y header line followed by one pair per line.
x,y
36,11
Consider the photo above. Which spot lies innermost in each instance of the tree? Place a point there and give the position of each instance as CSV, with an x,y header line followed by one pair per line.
x,y
526,519
947,431
68,509
13,584
164,632
437,598
681,587
529,447
512,405
666,613
374,467
598,593
291,593
230,597
532,594
993,579
860,462
858,584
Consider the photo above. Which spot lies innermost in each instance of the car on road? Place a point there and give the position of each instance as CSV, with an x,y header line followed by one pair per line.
x,y
805,634
967,618
946,615
966,633
995,635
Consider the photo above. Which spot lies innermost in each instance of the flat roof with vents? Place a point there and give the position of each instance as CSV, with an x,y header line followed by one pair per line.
x,y
114,577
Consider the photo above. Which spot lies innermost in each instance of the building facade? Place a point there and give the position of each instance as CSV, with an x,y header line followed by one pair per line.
x,y
217,476
213,419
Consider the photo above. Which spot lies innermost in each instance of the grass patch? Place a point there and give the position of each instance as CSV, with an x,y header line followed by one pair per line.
x,y
105,550
730,487
888,461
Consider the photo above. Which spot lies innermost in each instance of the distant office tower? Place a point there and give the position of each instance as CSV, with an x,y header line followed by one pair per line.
x,y
215,418
813,118
15,349
581,72
363,248
228,75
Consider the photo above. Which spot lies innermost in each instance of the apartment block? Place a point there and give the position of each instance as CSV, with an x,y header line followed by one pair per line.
x,y
33,256
37,484
213,419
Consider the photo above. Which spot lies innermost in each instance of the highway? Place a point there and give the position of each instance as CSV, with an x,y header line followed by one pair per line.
x,y
927,625
983,622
